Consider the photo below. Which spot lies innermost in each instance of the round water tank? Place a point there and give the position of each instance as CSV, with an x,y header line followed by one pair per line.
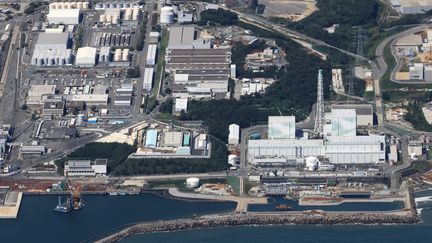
x,y
102,18
192,182
115,19
311,163
108,18
74,4
86,5
167,15
113,5
79,5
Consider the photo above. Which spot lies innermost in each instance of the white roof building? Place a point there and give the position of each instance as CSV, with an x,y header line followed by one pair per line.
x,y
181,104
234,134
86,57
280,127
63,16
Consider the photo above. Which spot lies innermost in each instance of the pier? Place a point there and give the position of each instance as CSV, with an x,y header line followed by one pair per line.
x,y
242,202
11,205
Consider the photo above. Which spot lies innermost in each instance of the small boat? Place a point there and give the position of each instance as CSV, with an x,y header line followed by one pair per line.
x,y
133,192
283,207
63,207
113,193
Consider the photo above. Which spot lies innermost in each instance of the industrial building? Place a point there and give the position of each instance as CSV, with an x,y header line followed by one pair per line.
x,y
281,127
36,92
364,113
167,15
89,99
174,139
411,6
105,54
234,134
343,122
33,149
181,104
148,79
123,95
151,138
63,16
86,57
53,109
52,49
97,167
151,54
340,146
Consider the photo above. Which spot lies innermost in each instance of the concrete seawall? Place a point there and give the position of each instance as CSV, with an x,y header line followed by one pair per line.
x,y
261,219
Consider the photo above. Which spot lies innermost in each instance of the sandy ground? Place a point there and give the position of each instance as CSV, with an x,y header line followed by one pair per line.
x,y
295,10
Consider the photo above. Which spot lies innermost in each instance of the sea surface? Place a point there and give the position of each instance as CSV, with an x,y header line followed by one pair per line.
x,y
37,222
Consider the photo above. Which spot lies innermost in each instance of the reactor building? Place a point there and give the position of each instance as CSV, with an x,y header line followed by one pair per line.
x,y
340,145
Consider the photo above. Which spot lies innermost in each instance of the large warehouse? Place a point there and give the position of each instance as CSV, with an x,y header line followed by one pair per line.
x,y
52,49
86,57
63,16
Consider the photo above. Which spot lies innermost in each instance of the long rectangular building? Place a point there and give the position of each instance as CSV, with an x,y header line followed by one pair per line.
x,y
148,79
338,150
151,54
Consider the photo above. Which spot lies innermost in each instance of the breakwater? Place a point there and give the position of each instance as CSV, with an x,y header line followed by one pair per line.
x,y
258,219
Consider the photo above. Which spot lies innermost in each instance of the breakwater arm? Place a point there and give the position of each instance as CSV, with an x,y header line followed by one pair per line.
x,y
259,219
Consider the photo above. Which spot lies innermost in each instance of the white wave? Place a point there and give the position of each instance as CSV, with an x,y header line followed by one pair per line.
x,y
423,199
419,210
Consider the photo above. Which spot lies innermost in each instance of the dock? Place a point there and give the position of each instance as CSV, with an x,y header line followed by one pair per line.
x,y
242,202
11,205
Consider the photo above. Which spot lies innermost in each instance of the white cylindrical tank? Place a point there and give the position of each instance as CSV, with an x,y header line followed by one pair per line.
x,y
125,55
192,182
79,5
115,19
102,18
167,15
108,18
73,4
117,55
80,119
311,163
86,5
128,14
52,5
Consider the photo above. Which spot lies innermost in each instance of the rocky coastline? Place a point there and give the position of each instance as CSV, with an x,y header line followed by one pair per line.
x,y
262,220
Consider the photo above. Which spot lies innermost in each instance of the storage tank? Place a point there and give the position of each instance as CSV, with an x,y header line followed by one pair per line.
x,y
74,4
113,5
125,56
115,19
128,14
311,163
167,15
102,18
192,182
108,18
86,5
117,55
53,6
79,5
99,6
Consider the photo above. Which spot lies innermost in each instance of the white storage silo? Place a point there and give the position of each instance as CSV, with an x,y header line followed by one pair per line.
x,y
128,14
102,18
79,5
115,19
167,15
192,182
117,55
108,18
125,56
74,5
86,5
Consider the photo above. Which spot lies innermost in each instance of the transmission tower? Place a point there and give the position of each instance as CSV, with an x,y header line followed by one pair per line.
x,y
350,81
360,51
319,116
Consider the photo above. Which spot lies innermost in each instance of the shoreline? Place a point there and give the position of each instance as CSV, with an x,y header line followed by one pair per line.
x,y
262,219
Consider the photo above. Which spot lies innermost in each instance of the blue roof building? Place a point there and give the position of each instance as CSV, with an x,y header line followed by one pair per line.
x,y
151,138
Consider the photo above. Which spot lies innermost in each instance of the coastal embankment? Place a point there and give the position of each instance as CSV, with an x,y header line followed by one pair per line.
x,y
261,219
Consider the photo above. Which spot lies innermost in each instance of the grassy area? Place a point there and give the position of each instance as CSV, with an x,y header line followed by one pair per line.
x,y
234,182
161,61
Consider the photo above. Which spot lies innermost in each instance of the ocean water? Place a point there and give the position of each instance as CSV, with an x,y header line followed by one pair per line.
x,y
37,222
419,233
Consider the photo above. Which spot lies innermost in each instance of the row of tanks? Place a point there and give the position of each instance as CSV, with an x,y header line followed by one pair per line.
x,y
52,57
109,39
69,5
120,5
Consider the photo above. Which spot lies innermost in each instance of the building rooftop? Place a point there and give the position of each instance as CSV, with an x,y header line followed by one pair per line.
x,y
54,105
361,109
181,36
52,39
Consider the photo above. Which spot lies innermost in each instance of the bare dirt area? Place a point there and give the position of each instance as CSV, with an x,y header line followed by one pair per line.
x,y
294,10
